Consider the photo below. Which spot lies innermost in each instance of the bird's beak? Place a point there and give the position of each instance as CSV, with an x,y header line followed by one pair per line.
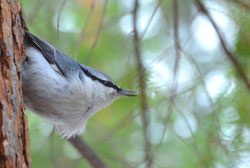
x,y
127,93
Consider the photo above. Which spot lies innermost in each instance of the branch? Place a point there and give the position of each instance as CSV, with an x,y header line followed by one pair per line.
x,y
174,83
201,78
151,19
141,78
86,152
84,28
176,44
99,29
58,17
229,54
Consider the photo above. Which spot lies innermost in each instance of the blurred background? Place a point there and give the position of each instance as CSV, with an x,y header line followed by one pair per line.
x,y
193,109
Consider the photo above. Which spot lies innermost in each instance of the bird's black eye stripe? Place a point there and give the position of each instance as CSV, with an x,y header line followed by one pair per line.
x,y
110,84
105,83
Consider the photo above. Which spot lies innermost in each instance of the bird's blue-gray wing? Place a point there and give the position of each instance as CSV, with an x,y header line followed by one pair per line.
x,y
55,57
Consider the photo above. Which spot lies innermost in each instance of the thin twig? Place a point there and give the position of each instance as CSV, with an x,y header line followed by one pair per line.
x,y
151,19
177,59
98,30
229,54
187,144
170,110
141,78
86,152
84,28
176,45
191,132
59,15
201,78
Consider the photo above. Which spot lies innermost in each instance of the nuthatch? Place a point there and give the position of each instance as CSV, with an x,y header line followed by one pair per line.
x,y
63,91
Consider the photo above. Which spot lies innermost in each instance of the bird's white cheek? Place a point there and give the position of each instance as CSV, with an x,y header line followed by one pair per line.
x,y
114,95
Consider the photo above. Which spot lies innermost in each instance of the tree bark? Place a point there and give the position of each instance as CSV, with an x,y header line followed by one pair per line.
x,y
14,138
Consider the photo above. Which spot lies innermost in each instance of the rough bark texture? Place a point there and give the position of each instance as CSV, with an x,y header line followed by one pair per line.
x,y
14,138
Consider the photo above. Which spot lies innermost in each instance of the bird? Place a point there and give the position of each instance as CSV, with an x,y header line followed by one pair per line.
x,y
61,90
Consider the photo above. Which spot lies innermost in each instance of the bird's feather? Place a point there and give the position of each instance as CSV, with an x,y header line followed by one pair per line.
x,y
54,56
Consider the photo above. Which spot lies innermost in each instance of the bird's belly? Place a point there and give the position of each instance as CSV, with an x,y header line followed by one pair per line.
x,y
68,114
56,106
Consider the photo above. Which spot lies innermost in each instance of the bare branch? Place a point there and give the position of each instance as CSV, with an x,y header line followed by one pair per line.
x,y
98,30
141,78
86,152
199,156
229,54
58,17
192,60
176,65
84,28
176,44
151,19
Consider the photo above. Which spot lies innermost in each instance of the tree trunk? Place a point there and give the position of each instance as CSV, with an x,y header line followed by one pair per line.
x,y
14,138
